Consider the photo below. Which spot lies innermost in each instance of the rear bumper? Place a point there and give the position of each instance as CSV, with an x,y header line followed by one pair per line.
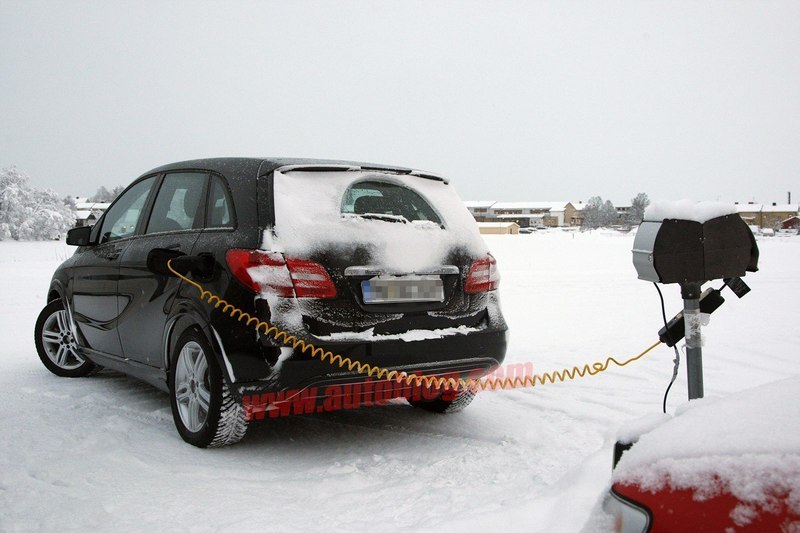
x,y
471,355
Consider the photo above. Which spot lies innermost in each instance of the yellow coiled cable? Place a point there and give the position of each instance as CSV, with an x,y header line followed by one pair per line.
x,y
377,372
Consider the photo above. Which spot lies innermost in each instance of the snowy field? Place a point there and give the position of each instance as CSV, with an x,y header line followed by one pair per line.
x,y
102,453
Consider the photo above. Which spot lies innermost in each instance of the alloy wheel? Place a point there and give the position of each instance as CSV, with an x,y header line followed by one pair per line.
x,y
59,342
192,391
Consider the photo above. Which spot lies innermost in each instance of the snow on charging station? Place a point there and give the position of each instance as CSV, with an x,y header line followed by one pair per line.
x,y
689,244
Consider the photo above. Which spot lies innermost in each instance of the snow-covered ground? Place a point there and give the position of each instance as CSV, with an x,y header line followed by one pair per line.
x,y
102,453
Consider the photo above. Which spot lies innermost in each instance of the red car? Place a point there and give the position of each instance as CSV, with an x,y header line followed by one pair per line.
x,y
729,464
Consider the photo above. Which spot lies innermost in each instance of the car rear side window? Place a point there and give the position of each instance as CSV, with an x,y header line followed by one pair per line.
x,y
178,205
121,218
380,198
219,208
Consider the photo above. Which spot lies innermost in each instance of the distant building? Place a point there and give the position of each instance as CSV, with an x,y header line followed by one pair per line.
x,y
498,228
577,214
87,213
791,223
557,214
766,215
750,213
772,216
623,213
526,214
85,217
480,209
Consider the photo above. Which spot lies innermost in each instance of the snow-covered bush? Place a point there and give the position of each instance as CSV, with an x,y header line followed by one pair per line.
x,y
29,214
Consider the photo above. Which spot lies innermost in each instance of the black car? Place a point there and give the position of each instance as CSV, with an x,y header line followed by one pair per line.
x,y
380,265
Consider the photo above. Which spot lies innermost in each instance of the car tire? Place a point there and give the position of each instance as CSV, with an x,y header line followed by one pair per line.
x,y
56,343
451,405
204,411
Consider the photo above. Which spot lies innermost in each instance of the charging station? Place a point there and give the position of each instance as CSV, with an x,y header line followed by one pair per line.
x,y
690,253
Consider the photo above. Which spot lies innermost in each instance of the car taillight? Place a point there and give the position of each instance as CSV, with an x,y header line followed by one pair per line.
x,y
262,271
482,276
310,279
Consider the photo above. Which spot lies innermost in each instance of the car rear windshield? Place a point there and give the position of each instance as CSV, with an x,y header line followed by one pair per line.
x,y
388,200
315,214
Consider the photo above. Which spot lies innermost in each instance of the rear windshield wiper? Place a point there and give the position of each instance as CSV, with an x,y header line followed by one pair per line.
x,y
383,216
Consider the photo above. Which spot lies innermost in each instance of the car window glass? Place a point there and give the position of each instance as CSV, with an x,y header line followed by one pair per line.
x,y
384,198
121,218
219,212
178,205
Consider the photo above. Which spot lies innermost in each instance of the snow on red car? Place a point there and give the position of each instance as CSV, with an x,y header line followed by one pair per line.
x,y
729,464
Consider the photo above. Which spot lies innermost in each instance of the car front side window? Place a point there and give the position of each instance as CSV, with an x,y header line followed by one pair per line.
x,y
121,218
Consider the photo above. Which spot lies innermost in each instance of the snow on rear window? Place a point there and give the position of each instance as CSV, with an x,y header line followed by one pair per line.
x,y
312,213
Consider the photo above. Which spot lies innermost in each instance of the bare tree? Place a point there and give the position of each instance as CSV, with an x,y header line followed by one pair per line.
x,y
638,206
598,213
608,214
591,213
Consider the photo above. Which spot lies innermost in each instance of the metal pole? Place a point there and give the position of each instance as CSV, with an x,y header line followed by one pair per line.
x,y
694,347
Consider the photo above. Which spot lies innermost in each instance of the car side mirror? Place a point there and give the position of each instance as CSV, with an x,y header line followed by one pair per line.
x,y
80,236
201,265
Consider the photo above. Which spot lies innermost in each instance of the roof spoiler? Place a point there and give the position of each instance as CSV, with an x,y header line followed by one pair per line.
x,y
355,168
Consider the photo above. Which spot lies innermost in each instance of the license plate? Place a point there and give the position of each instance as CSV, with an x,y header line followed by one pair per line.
x,y
399,289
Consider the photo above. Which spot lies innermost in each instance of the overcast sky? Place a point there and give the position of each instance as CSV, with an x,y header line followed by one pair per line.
x,y
512,100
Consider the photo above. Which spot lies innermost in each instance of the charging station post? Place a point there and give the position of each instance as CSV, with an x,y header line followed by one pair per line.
x,y
694,341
